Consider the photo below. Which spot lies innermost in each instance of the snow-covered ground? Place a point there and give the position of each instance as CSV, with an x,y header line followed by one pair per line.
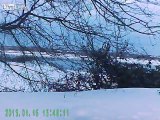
x,y
153,63
115,104
12,80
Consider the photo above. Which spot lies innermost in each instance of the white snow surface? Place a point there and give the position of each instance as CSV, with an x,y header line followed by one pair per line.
x,y
112,104
12,80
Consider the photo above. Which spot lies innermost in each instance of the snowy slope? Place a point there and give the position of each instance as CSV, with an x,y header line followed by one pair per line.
x,y
117,104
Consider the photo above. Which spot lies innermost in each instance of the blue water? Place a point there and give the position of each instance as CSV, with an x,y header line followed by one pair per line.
x,y
142,43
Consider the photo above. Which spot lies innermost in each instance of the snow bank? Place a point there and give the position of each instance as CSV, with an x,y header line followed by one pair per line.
x,y
116,104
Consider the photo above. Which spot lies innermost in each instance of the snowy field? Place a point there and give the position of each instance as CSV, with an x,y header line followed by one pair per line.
x,y
110,104
116,104
11,80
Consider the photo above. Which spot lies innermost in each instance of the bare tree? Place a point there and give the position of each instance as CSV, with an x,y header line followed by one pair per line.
x,y
50,27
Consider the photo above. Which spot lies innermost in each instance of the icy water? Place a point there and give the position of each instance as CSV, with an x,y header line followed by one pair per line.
x,y
144,44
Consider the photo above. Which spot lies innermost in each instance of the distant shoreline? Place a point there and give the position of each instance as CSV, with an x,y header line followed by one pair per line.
x,y
36,49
